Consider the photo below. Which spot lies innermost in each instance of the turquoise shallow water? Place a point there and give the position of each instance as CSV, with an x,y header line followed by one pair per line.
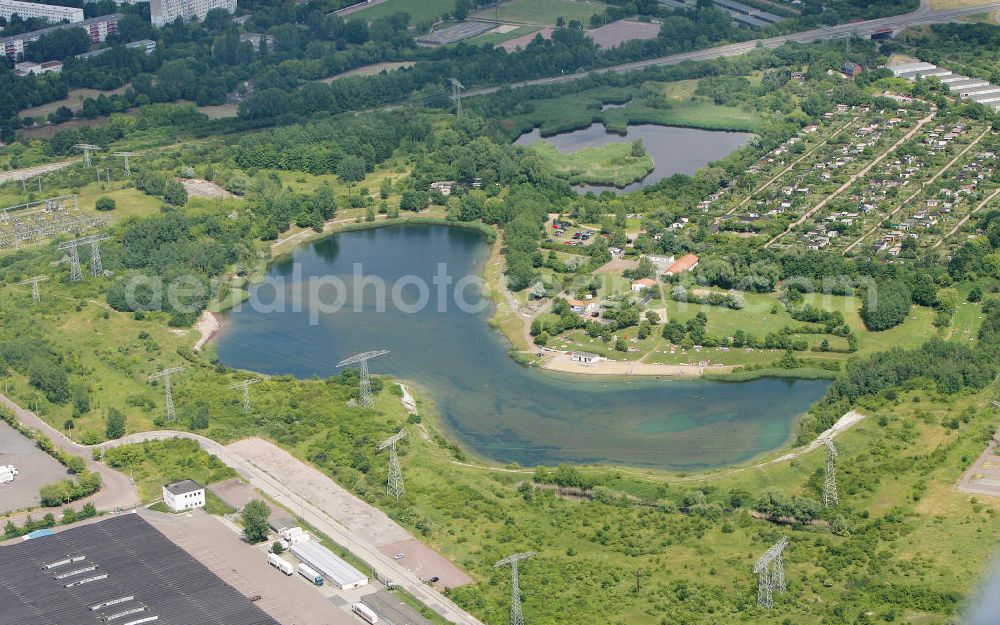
x,y
490,404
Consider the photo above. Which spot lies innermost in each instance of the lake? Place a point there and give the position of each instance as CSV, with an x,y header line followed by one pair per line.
x,y
491,405
674,150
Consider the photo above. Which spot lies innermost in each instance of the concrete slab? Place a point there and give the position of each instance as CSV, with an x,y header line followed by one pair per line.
x,y
290,600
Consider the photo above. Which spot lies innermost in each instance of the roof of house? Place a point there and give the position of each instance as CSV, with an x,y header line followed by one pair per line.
x,y
183,487
683,263
118,570
645,282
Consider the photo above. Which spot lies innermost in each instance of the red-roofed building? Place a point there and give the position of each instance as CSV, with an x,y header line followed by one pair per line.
x,y
684,263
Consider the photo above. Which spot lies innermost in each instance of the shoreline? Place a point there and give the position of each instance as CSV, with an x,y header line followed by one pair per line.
x,y
209,325
563,363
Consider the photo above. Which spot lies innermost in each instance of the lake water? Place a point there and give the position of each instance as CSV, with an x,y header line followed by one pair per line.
x,y
674,150
490,404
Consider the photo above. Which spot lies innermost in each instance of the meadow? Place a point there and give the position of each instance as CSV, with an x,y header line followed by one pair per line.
x,y
544,12
611,164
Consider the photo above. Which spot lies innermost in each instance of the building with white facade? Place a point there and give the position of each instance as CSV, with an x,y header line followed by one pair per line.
x,y
97,27
163,12
184,495
50,12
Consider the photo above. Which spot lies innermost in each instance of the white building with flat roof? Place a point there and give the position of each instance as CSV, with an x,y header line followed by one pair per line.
x,y
329,565
184,495
162,12
50,12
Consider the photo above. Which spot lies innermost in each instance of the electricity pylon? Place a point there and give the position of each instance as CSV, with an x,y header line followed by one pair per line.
x,y
245,385
456,93
516,618
87,149
365,398
394,485
770,570
35,295
830,495
168,390
125,155
73,247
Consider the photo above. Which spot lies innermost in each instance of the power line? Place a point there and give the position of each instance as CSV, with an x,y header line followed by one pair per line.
x,y
830,495
245,385
35,295
168,389
365,398
73,247
456,93
770,570
125,155
394,485
87,149
516,617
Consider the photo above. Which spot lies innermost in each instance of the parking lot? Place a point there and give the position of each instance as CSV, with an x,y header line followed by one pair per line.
x,y
35,469
289,599
567,234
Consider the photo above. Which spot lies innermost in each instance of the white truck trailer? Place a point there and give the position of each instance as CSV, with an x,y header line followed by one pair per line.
x,y
280,563
7,473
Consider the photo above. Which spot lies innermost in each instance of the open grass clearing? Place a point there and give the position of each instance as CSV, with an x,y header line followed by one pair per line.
x,y
73,101
543,12
420,11
611,164
370,70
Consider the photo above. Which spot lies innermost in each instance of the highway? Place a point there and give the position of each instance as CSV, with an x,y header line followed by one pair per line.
x,y
920,17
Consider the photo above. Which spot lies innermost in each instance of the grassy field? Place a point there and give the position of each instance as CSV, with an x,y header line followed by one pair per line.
x,y
74,101
544,12
370,70
607,164
419,11
155,463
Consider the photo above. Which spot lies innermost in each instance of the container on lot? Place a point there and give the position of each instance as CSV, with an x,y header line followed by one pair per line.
x,y
7,473
280,563
365,612
307,572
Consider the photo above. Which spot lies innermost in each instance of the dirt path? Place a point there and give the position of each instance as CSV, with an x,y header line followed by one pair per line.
x,y
850,181
909,199
31,172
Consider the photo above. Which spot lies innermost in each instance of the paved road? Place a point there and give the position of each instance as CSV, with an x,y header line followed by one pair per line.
x,y
922,16
361,545
117,492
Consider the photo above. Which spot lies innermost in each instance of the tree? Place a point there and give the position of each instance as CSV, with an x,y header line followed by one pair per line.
x,y
105,203
351,169
462,8
255,515
638,149
115,425
886,306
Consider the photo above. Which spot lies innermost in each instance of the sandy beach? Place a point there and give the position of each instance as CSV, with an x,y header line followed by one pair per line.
x,y
208,325
564,363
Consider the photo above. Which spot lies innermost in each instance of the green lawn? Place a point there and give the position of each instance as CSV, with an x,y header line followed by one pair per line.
x,y
419,10
544,12
155,463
